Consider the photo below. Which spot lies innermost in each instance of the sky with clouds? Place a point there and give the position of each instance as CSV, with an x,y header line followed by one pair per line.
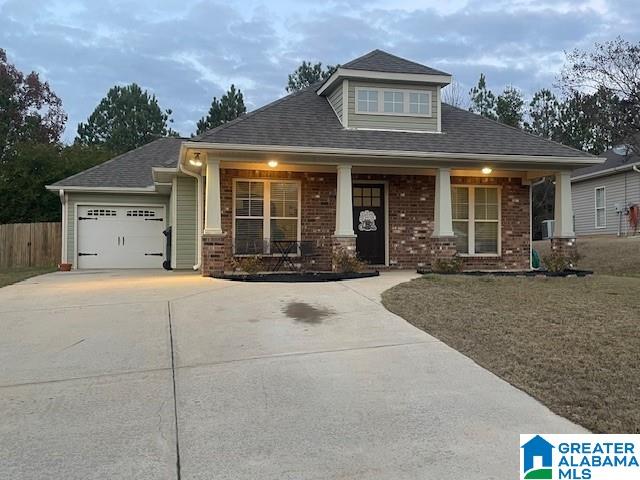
x,y
187,51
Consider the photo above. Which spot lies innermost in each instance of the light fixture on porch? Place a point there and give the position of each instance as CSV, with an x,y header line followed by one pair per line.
x,y
195,161
486,170
272,163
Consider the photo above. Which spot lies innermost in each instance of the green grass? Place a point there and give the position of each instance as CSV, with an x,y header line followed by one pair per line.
x,y
14,275
541,473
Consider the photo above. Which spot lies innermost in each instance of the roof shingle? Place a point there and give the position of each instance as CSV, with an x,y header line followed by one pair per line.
x,y
380,61
305,119
131,169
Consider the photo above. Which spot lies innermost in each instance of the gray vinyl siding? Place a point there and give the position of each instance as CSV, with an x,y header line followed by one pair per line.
x,y
105,198
394,122
185,229
335,99
622,188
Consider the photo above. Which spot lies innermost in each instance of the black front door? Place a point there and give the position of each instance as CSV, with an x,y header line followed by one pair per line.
x,y
369,221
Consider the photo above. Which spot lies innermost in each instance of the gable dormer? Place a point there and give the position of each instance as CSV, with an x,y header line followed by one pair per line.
x,y
380,91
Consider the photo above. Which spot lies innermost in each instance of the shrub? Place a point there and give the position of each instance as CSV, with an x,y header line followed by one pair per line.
x,y
558,262
447,265
346,262
249,265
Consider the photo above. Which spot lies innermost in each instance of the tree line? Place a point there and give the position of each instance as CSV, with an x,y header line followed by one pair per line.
x,y
595,105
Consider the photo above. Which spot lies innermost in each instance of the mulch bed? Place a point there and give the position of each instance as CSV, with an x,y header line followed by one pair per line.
x,y
294,277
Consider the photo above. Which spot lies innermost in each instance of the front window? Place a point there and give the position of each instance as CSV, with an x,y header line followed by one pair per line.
x,y
601,219
476,219
265,210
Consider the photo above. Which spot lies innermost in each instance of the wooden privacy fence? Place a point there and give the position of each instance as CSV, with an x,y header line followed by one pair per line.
x,y
30,244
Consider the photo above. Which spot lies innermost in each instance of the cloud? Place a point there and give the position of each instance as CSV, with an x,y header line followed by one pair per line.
x,y
187,51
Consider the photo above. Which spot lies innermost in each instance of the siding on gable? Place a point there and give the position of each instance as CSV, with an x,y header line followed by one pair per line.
x,y
393,122
622,188
335,99
105,198
185,229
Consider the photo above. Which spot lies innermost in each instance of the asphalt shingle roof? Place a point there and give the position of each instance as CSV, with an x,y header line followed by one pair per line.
x,y
131,169
613,161
380,61
306,119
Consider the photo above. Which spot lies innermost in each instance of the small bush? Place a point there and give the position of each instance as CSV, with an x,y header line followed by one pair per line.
x,y
346,262
557,262
249,265
447,265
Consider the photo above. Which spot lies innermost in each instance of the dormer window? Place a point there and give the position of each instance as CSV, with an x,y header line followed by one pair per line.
x,y
396,101
393,102
367,101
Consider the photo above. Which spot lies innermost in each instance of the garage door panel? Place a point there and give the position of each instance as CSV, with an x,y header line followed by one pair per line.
x,y
120,237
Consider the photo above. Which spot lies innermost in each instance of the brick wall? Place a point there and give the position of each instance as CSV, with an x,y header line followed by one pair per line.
x,y
411,203
318,204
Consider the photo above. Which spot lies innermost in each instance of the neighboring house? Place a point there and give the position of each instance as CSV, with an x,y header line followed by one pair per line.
x,y
602,194
370,161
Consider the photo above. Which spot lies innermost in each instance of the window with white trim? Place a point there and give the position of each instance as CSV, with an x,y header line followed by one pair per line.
x,y
265,210
393,102
600,210
367,101
387,101
476,219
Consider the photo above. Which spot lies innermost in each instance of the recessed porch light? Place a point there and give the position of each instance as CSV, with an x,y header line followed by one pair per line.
x,y
272,163
487,170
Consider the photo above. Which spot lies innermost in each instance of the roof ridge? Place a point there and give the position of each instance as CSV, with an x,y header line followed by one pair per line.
x,y
538,137
117,157
250,114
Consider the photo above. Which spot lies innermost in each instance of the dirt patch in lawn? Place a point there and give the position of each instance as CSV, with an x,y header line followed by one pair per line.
x,y
14,275
572,343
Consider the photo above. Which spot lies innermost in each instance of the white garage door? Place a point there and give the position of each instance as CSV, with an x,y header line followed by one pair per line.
x,y
120,237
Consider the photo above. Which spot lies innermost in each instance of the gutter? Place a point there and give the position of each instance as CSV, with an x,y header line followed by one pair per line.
x,y
198,177
608,171
63,202
445,157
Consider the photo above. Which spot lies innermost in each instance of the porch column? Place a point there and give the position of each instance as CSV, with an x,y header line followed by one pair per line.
x,y
443,241
442,219
564,240
213,218
344,239
213,240
344,203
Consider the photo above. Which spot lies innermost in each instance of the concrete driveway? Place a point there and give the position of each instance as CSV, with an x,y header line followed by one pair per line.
x,y
166,375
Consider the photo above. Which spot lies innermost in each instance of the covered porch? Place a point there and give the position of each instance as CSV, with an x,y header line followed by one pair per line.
x,y
409,215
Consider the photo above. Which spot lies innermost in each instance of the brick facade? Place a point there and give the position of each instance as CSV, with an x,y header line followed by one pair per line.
x,y
564,246
213,254
410,217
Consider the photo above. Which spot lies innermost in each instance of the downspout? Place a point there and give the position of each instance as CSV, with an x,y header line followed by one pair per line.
x,y
63,202
200,220
636,169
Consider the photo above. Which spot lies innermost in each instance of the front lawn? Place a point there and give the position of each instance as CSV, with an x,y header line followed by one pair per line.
x,y
572,343
14,275
604,254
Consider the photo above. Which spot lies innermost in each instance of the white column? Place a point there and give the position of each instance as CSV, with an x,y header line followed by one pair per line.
x,y
213,217
344,203
443,224
563,211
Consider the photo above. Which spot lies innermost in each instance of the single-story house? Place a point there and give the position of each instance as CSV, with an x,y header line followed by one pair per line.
x,y
602,194
369,162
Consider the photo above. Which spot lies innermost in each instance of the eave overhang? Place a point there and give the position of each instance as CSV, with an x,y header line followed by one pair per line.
x,y
415,78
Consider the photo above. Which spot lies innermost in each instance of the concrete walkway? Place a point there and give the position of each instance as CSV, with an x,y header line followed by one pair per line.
x,y
166,375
